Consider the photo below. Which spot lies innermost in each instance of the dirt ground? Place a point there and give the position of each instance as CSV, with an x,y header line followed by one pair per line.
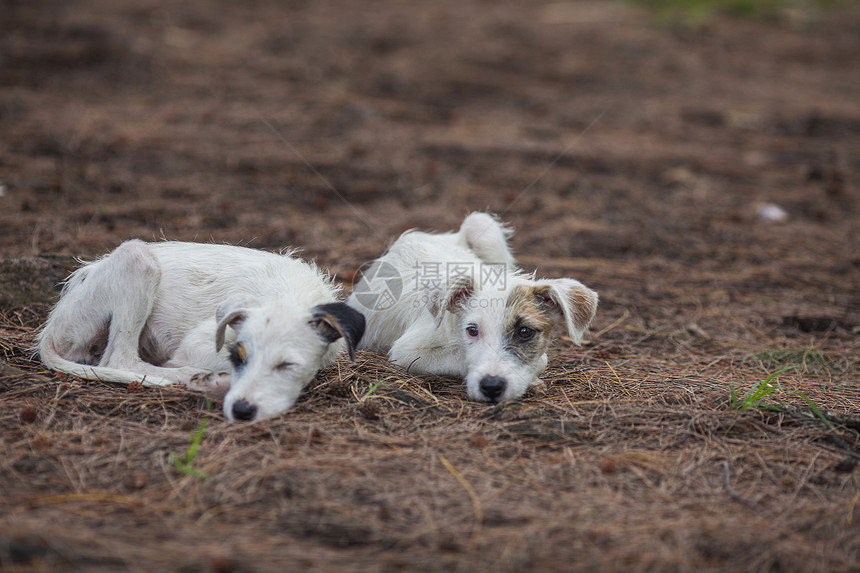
x,y
631,155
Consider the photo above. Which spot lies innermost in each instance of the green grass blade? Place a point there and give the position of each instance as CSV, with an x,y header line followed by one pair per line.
x,y
760,391
748,399
195,442
815,409
184,463
778,372
371,389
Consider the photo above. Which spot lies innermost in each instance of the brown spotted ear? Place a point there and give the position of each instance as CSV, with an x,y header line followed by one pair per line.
x,y
459,292
335,320
571,301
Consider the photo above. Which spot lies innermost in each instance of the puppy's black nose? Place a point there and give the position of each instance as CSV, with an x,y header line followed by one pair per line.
x,y
242,410
492,386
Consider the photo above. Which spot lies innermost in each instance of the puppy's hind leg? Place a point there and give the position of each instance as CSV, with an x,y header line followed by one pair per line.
x,y
125,283
487,238
95,329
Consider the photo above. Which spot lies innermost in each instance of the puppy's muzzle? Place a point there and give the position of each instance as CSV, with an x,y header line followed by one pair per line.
x,y
242,410
493,387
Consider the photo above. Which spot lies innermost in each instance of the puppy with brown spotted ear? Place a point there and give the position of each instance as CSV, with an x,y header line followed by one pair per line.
x,y
454,304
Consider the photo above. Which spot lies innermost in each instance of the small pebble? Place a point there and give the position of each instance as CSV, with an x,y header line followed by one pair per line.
x,y
479,441
28,414
771,213
139,480
607,466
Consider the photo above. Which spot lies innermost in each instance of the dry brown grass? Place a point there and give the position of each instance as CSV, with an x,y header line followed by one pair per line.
x,y
616,461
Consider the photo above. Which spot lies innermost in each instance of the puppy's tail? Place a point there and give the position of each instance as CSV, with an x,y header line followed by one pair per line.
x,y
54,361
488,238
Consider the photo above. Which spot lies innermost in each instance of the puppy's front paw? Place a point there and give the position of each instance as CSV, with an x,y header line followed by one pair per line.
x,y
214,384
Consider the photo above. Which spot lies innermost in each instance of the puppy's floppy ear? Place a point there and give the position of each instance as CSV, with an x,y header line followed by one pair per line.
x,y
572,302
459,291
231,312
336,319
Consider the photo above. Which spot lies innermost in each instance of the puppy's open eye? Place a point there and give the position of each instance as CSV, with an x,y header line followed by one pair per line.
x,y
284,365
238,354
472,331
525,333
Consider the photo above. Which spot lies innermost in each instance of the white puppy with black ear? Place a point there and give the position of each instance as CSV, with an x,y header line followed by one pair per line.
x,y
158,313
454,304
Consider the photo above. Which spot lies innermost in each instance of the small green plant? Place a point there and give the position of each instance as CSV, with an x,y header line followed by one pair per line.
x,y
185,463
755,397
371,389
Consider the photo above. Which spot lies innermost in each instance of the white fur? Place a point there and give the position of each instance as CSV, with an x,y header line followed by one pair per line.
x,y
158,313
425,329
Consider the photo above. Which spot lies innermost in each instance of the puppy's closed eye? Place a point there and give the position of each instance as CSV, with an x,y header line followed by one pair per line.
x,y
281,366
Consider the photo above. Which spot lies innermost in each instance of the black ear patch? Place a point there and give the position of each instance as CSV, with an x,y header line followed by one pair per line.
x,y
337,319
